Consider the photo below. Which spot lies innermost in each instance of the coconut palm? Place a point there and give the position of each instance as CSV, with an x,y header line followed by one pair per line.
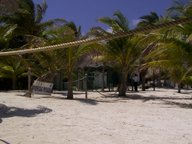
x,y
122,52
177,47
149,20
173,55
64,59
6,34
9,67
150,40
12,68
28,30
51,61
72,54
173,52
180,9
28,18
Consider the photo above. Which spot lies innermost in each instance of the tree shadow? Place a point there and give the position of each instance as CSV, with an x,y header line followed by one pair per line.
x,y
152,97
21,112
87,101
181,105
186,92
5,142
165,99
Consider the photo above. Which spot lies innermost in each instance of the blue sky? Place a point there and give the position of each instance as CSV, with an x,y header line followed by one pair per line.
x,y
86,12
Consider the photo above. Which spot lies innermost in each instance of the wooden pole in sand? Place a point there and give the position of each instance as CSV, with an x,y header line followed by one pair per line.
x,y
153,80
29,82
86,86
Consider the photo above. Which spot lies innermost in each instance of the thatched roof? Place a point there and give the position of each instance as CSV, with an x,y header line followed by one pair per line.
x,y
88,61
92,61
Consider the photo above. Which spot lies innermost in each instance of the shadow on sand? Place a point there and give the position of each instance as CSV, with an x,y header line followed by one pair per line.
x,y
111,98
165,100
181,105
4,142
153,97
88,101
6,112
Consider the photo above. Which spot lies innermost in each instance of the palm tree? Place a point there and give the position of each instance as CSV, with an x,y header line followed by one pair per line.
x,y
9,67
26,30
6,34
150,40
51,61
28,18
122,52
180,9
12,68
64,59
177,46
172,56
72,54
149,20
174,51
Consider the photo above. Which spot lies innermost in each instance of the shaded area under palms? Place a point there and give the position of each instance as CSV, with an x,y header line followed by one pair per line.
x,y
184,102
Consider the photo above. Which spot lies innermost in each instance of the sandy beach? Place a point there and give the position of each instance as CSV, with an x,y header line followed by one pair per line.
x,y
151,117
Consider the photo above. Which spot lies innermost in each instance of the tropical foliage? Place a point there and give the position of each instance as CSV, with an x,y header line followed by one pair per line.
x,y
168,50
122,52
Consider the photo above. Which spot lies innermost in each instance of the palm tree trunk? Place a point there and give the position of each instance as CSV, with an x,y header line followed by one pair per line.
x,y
143,73
70,71
14,82
143,83
153,80
103,79
70,87
123,85
179,88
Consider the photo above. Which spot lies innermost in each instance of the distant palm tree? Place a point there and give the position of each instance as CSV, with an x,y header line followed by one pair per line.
x,y
12,68
149,20
9,67
173,56
178,39
150,40
174,51
180,9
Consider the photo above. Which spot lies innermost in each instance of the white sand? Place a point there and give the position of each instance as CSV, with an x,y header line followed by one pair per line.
x,y
160,117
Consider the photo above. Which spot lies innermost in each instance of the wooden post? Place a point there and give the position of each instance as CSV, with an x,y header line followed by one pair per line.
x,y
103,79
153,80
86,86
29,82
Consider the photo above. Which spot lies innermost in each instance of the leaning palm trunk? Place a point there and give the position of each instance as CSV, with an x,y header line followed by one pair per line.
x,y
179,87
70,86
103,80
143,83
143,74
14,82
123,85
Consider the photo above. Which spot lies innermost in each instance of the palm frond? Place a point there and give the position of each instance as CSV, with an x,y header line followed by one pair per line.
x,y
40,11
121,21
